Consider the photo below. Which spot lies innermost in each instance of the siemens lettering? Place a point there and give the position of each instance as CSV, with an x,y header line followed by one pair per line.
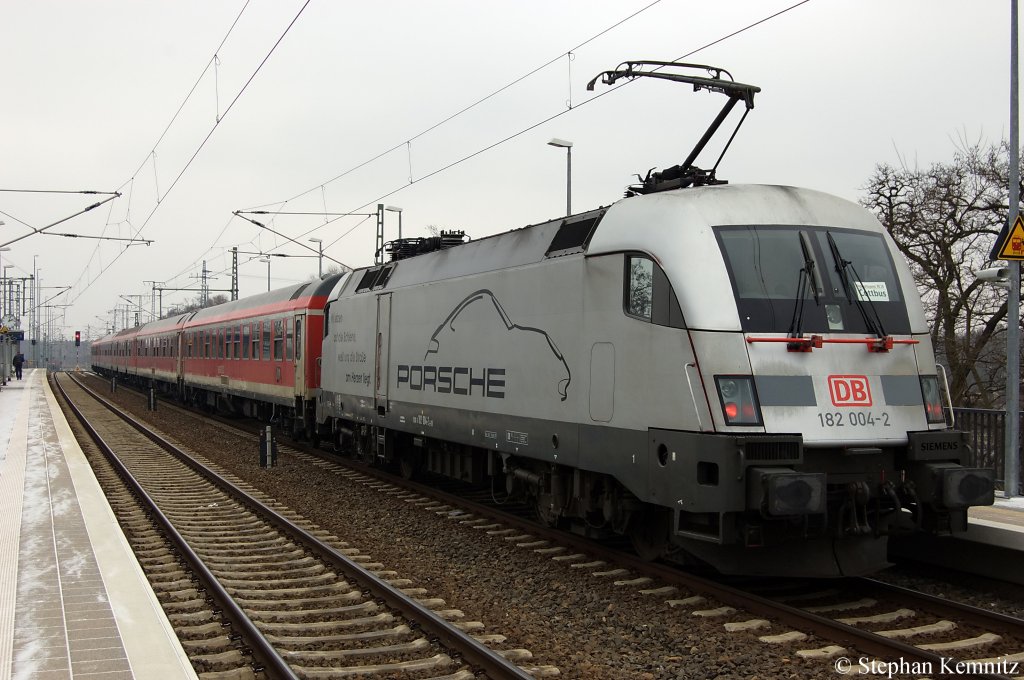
x,y
489,382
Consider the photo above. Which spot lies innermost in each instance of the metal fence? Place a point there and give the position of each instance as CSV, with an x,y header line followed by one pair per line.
x,y
986,434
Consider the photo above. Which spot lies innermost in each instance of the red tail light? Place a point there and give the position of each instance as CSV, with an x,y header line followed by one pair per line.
x,y
739,399
932,399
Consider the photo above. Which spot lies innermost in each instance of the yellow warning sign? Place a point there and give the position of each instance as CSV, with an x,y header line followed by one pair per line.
x,y
1013,247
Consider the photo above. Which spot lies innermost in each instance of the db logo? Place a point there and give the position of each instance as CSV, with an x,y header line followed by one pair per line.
x,y
849,390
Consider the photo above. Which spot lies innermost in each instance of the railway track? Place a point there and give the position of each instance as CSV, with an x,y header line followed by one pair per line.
x,y
865,620
862,619
298,602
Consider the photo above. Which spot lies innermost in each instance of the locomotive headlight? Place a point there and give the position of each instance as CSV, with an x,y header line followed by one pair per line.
x,y
932,399
728,388
739,400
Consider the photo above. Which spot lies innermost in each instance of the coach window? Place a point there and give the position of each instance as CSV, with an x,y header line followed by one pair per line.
x,y
238,342
278,340
289,341
298,338
266,339
246,339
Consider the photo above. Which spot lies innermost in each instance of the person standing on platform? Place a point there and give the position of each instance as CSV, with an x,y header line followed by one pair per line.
x,y
19,360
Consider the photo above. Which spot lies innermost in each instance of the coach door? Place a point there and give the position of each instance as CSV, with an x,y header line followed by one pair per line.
x,y
300,361
380,372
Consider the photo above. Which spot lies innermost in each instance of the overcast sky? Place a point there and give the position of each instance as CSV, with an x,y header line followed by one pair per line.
x,y
88,89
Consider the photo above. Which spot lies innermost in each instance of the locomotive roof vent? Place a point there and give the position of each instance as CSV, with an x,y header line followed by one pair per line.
x,y
403,248
686,174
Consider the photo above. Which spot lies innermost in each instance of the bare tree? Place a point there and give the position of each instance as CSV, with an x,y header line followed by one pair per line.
x,y
194,304
945,219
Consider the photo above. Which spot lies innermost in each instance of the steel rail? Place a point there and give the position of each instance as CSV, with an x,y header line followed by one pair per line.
x,y
994,621
262,650
473,651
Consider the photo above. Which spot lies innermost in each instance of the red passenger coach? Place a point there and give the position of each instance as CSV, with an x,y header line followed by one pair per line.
x,y
157,350
114,355
259,356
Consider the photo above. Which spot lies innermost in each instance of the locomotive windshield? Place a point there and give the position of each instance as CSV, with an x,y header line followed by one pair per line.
x,y
765,264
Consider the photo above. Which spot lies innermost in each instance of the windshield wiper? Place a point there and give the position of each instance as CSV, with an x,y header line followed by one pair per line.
x,y
874,325
808,277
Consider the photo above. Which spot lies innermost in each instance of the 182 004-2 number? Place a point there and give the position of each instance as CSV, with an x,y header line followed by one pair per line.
x,y
853,419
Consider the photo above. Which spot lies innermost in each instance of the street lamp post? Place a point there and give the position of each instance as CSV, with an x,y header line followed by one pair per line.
x,y
394,208
563,144
8,288
320,256
4,347
267,260
3,308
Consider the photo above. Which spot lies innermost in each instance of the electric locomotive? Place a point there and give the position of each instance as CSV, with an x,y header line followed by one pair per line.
x,y
739,376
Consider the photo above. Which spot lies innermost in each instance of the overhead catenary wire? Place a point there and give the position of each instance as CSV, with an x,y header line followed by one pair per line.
x,y
466,109
60,191
202,144
550,118
408,143
459,161
504,140
152,153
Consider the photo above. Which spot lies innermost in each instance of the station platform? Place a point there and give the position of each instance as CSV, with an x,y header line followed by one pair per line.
x,y
1000,524
990,547
74,601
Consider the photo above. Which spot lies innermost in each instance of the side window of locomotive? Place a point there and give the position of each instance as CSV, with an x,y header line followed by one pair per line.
x,y
639,291
648,294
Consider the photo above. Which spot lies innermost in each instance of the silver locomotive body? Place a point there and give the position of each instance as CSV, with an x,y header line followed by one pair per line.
x,y
736,374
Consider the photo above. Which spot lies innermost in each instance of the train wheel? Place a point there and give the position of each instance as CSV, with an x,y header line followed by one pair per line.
x,y
648,532
547,513
409,465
